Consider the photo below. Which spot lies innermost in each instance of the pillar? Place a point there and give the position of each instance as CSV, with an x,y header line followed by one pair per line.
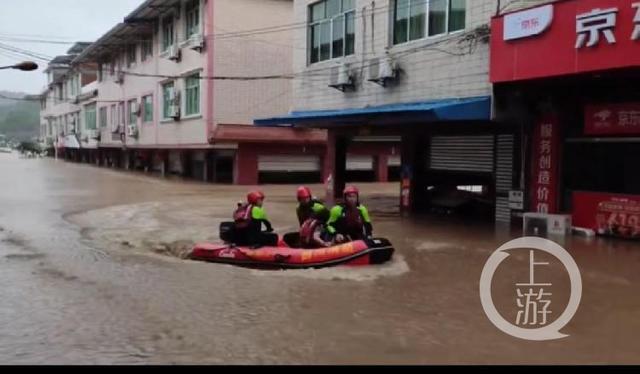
x,y
335,165
246,166
382,168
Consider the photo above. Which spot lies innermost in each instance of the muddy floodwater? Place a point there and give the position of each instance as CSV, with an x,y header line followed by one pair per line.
x,y
92,272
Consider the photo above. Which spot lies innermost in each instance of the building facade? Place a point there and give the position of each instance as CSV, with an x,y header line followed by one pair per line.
x,y
413,73
578,108
170,94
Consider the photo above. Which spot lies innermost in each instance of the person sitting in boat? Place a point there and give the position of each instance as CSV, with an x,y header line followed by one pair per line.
x,y
309,207
314,232
350,220
249,219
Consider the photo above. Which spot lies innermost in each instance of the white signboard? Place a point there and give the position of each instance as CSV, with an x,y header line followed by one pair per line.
x,y
528,22
516,200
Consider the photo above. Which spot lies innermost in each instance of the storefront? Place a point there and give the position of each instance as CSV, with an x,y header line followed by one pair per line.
x,y
568,74
448,154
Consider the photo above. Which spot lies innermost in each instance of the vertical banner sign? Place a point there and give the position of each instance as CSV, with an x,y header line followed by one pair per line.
x,y
545,166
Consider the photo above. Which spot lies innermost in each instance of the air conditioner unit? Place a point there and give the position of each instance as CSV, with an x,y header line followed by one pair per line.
x,y
382,71
174,111
119,79
341,78
94,134
114,128
197,42
174,53
543,224
132,131
135,109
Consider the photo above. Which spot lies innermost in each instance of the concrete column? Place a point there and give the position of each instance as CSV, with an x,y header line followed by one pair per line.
x,y
246,166
382,168
335,165
410,172
205,167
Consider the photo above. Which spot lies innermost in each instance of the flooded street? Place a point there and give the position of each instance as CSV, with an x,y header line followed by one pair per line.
x,y
92,274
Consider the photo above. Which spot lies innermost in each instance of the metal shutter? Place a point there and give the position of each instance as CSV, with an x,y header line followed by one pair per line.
x,y
289,163
395,161
473,153
358,162
504,176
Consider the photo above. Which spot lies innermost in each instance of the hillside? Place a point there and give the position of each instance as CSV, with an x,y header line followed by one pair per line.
x,y
19,120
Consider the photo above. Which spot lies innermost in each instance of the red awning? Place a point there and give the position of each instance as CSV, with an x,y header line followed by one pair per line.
x,y
250,134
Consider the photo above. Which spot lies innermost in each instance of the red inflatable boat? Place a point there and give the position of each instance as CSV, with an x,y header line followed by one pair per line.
x,y
356,253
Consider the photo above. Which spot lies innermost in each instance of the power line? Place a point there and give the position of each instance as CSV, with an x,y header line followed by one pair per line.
x,y
24,52
37,41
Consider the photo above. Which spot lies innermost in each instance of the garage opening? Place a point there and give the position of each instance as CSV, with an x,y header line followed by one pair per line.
x,y
395,168
360,168
289,169
221,167
458,177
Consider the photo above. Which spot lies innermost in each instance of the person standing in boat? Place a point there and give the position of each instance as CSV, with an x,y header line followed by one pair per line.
x,y
350,220
249,219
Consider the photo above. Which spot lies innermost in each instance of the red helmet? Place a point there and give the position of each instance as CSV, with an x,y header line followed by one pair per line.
x,y
254,196
351,190
304,192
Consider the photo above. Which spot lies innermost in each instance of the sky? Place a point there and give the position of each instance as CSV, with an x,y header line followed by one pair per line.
x,y
63,21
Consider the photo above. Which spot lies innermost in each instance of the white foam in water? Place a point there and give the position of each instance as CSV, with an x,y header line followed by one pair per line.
x,y
396,267
429,246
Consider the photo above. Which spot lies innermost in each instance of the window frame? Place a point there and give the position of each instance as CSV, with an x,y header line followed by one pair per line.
x,y
143,107
163,42
191,30
426,36
93,119
132,119
187,88
166,102
131,55
122,116
146,48
330,20
103,117
114,116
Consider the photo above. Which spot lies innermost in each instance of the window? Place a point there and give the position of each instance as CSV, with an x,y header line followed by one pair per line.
x,y
114,116
417,19
133,116
103,117
192,90
331,29
192,15
147,47
168,35
121,114
457,15
167,99
131,55
90,116
147,108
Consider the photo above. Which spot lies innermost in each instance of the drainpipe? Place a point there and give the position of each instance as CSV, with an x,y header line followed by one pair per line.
x,y
209,69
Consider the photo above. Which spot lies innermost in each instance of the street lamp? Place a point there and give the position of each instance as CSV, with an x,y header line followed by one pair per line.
x,y
24,66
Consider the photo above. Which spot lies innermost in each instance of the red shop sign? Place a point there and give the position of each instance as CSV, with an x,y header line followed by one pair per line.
x,y
565,37
544,165
608,214
612,119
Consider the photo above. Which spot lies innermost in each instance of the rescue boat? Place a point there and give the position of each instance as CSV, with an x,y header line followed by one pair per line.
x,y
355,253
